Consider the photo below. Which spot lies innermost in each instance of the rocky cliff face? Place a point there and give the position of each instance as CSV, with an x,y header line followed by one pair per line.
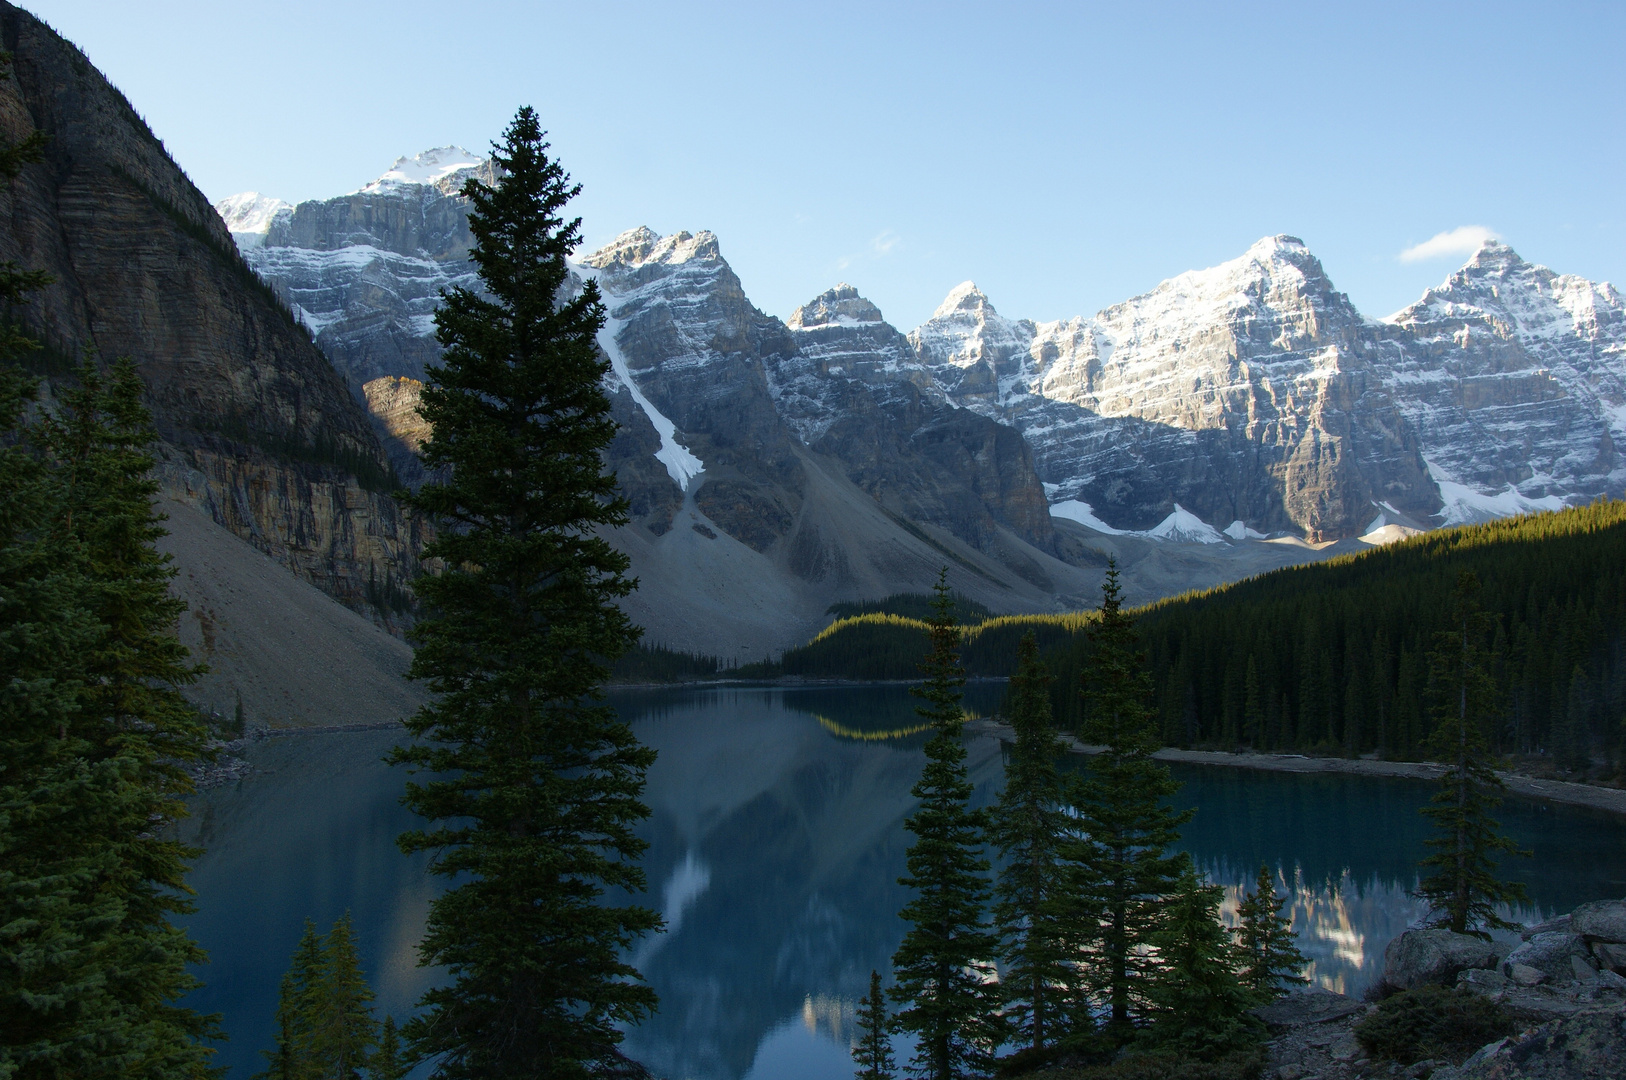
x,y
1514,378
364,271
1241,393
256,427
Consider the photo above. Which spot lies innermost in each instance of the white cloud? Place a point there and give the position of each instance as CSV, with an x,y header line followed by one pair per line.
x,y
884,243
1463,240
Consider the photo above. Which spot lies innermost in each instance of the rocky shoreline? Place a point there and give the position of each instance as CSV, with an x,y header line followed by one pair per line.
x,y
1612,800
1564,983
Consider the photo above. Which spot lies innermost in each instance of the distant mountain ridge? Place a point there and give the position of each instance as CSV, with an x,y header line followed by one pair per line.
x,y
1251,397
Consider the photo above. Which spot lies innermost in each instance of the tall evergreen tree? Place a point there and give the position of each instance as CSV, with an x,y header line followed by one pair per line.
x,y
536,783
1463,888
389,1061
299,1010
1125,825
1035,914
1201,1005
873,1054
941,965
1269,954
343,1032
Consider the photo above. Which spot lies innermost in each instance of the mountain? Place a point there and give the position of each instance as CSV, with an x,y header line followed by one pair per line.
x,y
1243,393
1228,421
1514,378
257,430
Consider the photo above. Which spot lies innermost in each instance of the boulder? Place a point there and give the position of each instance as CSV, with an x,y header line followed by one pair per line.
x,y
1601,920
1420,957
1549,953
1582,971
1589,1045
1610,957
1561,922
1524,974
1483,981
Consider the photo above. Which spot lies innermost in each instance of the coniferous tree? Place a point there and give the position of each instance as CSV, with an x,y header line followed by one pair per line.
x,y
537,782
299,1010
942,964
1035,914
133,717
1463,888
1201,1005
1125,826
343,1030
1269,954
389,1061
873,1054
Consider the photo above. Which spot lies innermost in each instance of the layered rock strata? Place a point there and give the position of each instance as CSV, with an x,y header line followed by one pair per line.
x,y
257,429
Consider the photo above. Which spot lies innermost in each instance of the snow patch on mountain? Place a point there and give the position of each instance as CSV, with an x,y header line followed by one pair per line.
x,y
1238,530
1084,514
248,216
431,168
1182,526
680,464
1466,506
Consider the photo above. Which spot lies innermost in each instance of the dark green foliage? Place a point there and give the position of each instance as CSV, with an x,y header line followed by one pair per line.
x,y
1269,955
1201,1003
1339,649
882,645
1035,914
940,964
1332,657
657,664
534,783
910,605
389,1061
1462,888
1124,821
873,1054
1162,1065
325,1024
299,1003
95,738
1432,1022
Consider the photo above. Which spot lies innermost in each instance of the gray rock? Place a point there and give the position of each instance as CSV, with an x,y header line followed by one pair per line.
x,y
1290,1071
1549,953
1420,957
1346,1048
1609,980
1312,1006
1561,922
1611,957
1524,974
1587,1046
1483,981
1601,920
1583,971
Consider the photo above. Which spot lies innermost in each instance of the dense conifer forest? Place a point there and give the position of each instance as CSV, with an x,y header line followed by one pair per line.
x,y
1330,657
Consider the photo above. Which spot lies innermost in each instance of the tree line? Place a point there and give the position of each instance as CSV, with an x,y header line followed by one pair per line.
x,y
1093,940
1331,657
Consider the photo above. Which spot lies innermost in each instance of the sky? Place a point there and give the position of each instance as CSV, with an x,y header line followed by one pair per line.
x,y
1063,156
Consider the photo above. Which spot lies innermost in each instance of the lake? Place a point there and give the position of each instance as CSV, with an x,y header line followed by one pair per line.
x,y
776,840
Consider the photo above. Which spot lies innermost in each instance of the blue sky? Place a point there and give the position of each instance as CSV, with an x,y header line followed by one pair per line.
x,y
1063,156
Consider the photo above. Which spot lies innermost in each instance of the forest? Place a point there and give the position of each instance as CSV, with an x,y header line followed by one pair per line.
x,y
1332,657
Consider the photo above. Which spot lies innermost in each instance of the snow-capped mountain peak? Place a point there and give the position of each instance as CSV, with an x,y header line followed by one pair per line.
x,y
644,246
248,215
432,167
963,297
840,306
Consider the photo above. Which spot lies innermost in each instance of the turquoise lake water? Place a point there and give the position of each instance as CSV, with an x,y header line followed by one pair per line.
x,y
776,841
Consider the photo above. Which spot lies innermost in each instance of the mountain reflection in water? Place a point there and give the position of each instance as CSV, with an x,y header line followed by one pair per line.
x,y
776,840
